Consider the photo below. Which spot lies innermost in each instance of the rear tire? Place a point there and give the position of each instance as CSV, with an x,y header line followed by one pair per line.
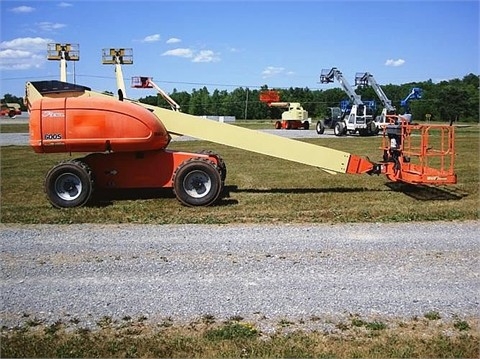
x,y
278,125
69,184
197,182
339,129
306,125
222,167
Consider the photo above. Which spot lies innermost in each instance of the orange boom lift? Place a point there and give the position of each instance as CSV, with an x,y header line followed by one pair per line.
x,y
127,145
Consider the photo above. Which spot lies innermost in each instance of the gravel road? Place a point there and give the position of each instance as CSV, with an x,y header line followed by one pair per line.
x,y
264,274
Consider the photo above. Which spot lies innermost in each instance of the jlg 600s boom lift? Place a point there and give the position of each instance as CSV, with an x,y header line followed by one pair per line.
x,y
128,141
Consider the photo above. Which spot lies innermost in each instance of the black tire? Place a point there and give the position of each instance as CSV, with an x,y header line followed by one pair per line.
x,y
69,184
12,113
278,125
197,182
320,128
373,129
306,125
339,129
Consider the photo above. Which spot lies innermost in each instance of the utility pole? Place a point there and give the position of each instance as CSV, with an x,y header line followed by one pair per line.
x,y
246,105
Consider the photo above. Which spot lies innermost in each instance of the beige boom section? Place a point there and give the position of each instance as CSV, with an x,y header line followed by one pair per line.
x,y
325,158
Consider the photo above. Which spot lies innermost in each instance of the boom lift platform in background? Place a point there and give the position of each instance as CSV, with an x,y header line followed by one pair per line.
x,y
367,79
127,144
147,82
360,117
415,94
294,118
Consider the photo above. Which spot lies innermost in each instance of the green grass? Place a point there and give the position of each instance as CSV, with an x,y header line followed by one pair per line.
x,y
14,128
260,189
236,339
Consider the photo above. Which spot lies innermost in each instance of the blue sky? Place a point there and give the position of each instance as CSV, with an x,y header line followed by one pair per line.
x,y
228,44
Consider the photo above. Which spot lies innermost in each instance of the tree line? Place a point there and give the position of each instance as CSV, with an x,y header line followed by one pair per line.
x,y
456,100
452,100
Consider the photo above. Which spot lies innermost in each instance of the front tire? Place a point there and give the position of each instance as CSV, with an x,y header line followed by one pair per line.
x,y
69,184
320,128
197,182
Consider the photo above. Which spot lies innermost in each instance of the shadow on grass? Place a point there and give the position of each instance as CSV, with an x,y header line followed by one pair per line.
x,y
106,198
418,192
301,190
427,193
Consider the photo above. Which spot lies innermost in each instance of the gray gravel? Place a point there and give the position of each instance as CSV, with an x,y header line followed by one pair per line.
x,y
263,274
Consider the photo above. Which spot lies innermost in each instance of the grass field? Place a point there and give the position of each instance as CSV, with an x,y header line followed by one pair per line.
x,y
259,189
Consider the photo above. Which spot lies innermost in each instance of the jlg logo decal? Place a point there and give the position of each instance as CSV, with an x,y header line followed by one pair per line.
x,y
52,114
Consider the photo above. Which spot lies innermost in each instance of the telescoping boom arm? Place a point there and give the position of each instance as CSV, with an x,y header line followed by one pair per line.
x,y
415,94
147,82
367,79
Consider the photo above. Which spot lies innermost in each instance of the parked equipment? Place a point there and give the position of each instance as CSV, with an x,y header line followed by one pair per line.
x,y
294,118
10,109
127,144
360,118
334,115
415,94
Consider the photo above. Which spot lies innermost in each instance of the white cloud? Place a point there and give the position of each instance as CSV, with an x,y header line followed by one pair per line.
x,y
50,26
200,56
27,43
206,56
23,53
22,9
180,52
151,38
173,40
394,63
272,71
64,4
